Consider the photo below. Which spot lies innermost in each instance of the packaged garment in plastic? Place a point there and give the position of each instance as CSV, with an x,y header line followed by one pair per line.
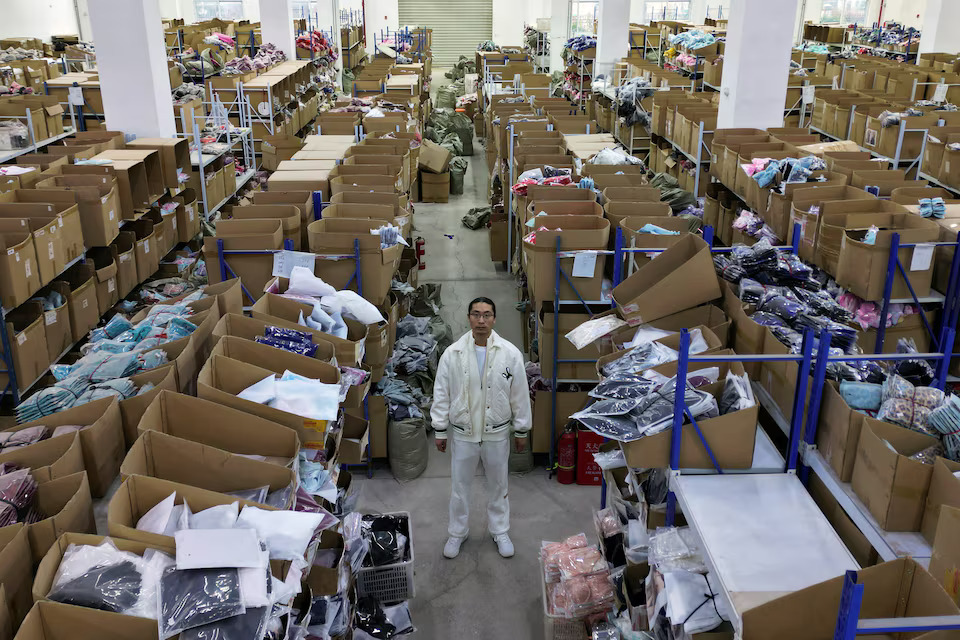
x,y
621,386
737,394
249,625
675,549
861,395
286,533
594,329
223,516
194,597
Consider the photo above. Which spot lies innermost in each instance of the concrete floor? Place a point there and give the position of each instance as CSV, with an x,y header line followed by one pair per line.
x,y
479,594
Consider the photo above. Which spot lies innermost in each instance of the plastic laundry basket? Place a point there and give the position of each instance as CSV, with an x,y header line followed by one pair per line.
x,y
557,627
392,582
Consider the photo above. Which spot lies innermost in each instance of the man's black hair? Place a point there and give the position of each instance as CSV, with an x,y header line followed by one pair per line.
x,y
482,300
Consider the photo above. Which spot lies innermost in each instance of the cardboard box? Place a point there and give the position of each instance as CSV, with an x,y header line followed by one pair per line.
x,y
82,299
336,236
174,154
567,403
434,187
899,588
300,181
133,187
16,570
19,274
276,149
221,427
56,323
355,437
152,167
146,248
386,214
350,350
570,318
302,200
47,236
802,212
222,378
124,250
943,496
575,232
139,494
680,278
28,344
167,457
49,459
235,333
433,157
67,505
254,270
288,215
889,483
49,620
945,560
99,205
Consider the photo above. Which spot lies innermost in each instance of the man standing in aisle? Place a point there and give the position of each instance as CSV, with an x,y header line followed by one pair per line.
x,y
480,390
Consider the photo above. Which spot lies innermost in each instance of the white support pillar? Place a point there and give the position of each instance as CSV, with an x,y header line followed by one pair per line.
x,y
940,33
276,26
754,87
132,63
613,35
698,12
187,10
251,10
559,32
638,12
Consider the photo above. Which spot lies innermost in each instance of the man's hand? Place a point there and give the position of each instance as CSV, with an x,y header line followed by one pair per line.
x,y
441,445
520,444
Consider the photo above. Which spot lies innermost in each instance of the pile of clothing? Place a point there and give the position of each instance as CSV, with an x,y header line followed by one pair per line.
x,y
18,495
577,578
207,63
267,55
451,130
317,43
460,68
536,42
487,45
580,43
774,174
220,39
15,89
547,176
14,135
114,353
693,39
12,54
187,92
629,95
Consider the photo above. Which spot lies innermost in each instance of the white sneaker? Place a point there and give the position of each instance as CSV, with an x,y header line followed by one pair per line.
x,y
452,548
504,546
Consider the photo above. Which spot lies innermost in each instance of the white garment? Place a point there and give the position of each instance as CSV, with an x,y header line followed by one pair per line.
x,y
481,358
481,408
495,455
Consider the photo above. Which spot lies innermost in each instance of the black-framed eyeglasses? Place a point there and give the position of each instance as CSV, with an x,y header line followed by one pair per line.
x,y
476,315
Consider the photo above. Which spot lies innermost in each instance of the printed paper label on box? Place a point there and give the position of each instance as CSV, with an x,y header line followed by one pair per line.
x,y
146,247
50,317
26,266
584,264
808,94
75,96
84,303
285,261
940,93
50,251
111,285
21,339
922,257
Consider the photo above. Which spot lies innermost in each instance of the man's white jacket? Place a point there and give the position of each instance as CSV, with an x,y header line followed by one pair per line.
x,y
504,399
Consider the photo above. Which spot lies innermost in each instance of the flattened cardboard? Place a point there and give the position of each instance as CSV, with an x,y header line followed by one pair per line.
x,y
167,457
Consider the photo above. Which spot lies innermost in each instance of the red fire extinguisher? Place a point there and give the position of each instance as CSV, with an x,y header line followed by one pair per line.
x,y
567,456
420,245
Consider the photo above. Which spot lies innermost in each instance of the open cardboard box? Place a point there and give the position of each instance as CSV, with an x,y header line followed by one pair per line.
x,y
159,455
809,219
67,505
944,494
19,277
271,307
222,378
288,215
138,494
16,570
236,338
221,427
385,213
49,459
574,233
132,409
891,485
679,278
101,440
899,588
354,438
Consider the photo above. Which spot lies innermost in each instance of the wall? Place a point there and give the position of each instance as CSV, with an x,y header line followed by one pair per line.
x,y
38,18
380,15
508,21
905,12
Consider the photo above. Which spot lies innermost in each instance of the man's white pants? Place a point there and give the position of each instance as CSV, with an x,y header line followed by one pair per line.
x,y
496,466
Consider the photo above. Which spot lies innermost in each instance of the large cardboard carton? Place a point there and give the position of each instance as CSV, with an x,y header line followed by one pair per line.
x,y
132,184
289,215
386,214
105,265
47,235
236,335
302,200
56,323
67,505
28,344
570,318
572,233
188,218
16,570
174,156
219,426
253,270
567,403
807,207
433,157
899,588
350,350
891,485
50,620
99,205
146,248
159,455
19,275
152,167
377,266
124,250
222,378
680,278
355,436
276,149
300,181
943,495
434,187
82,299
49,459
101,440
132,409
139,494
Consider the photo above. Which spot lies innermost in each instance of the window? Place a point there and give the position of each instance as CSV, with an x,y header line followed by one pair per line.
x,y
219,9
669,10
583,17
720,11
844,12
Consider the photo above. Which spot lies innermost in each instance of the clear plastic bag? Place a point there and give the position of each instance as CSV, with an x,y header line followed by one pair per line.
x,y
286,533
673,549
250,625
737,394
253,495
594,329
223,516
622,386
196,597
580,561
607,460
